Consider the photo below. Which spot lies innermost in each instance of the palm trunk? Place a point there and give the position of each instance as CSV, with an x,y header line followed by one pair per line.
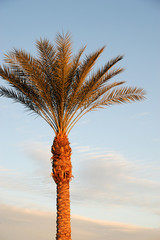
x,y
62,174
63,212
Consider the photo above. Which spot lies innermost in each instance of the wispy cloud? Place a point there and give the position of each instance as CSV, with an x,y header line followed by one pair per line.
x,y
82,122
142,114
4,169
81,149
31,224
32,187
101,176
112,179
156,139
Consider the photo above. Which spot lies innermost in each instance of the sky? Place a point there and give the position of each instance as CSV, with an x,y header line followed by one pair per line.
x,y
115,192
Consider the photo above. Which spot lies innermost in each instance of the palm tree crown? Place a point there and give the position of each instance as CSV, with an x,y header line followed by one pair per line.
x,y
60,87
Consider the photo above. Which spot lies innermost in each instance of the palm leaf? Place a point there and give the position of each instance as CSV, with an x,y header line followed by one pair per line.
x,y
62,88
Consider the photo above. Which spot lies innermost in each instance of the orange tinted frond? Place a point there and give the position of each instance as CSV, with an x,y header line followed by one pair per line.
x,y
62,88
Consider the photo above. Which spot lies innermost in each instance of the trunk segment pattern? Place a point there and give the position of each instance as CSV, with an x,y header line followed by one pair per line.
x,y
63,212
61,159
62,174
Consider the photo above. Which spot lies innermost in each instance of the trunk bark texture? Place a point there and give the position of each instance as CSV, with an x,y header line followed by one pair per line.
x,y
63,212
62,174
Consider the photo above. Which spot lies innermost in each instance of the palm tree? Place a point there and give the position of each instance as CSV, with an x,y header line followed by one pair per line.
x,y
61,89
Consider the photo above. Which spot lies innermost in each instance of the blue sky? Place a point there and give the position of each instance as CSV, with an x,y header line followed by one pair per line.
x,y
116,157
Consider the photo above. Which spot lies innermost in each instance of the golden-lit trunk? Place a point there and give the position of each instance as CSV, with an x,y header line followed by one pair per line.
x,y
62,174
63,211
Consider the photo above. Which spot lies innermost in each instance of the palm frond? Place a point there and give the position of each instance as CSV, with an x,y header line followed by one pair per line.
x,y
102,75
73,70
64,51
120,95
116,96
62,88
30,92
98,93
85,68
80,77
46,52
31,78
19,97
91,90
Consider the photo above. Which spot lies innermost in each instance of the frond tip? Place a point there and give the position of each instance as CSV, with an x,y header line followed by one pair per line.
x,y
62,88
124,95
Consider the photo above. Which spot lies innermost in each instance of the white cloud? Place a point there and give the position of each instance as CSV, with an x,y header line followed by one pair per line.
x,y
4,169
81,149
32,188
142,114
101,176
39,154
109,177
18,223
156,139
